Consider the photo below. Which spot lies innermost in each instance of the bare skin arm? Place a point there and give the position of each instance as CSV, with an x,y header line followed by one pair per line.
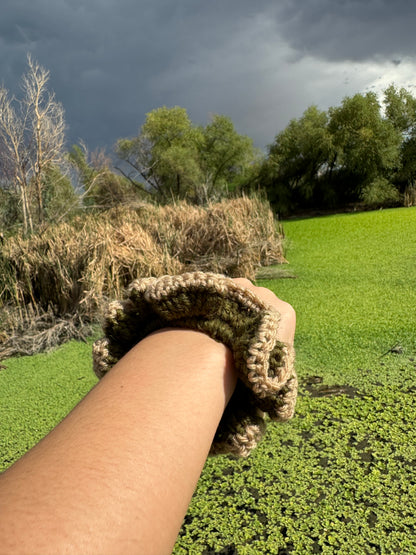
x,y
117,475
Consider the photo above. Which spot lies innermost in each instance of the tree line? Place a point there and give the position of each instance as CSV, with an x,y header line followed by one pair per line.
x,y
363,151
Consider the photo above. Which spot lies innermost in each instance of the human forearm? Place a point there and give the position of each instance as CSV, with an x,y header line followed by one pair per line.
x,y
136,446
116,476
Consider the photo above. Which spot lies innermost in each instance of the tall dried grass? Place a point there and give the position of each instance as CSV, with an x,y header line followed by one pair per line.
x,y
233,237
75,268
409,197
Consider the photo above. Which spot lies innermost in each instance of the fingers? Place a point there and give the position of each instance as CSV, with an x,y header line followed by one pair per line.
x,y
287,323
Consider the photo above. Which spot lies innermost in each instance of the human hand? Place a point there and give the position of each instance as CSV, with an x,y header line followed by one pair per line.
x,y
287,325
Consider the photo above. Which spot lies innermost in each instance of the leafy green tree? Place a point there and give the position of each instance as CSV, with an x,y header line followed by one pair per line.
x,y
300,162
226,158
367,145
163,158
400,109
172,158
328,159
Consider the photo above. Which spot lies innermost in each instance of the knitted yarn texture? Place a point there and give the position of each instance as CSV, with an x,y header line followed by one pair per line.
x,y
229,313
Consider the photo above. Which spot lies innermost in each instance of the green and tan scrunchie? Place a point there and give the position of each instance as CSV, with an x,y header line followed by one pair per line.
x,y
229,313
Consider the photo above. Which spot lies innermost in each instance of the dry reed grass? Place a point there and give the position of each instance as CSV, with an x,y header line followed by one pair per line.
x,y
233,237
73,269
409,197
29,332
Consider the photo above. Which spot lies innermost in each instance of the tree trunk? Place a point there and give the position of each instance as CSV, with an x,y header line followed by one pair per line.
x,y
27,216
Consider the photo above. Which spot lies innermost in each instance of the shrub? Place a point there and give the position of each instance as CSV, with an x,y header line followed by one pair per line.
x,y
379,193
9,211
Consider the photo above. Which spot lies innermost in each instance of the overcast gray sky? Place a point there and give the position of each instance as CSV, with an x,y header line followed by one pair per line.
x,y
261,62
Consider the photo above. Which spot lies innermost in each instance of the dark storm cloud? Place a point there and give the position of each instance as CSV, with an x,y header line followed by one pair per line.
x,y
112,61
106,56
349,29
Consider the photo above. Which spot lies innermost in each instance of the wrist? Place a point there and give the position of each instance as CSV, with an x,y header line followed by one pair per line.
x,y
191,353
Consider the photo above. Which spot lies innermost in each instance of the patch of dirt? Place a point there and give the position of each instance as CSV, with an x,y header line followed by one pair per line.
x,y
314,386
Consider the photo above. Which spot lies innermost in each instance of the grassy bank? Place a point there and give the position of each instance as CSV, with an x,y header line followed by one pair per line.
x,y
339,478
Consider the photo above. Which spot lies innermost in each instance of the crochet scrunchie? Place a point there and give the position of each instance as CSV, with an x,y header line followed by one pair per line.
x,y
229,313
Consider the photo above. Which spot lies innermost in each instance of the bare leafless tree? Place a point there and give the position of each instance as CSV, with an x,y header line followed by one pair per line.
x,y
32,135
14,152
